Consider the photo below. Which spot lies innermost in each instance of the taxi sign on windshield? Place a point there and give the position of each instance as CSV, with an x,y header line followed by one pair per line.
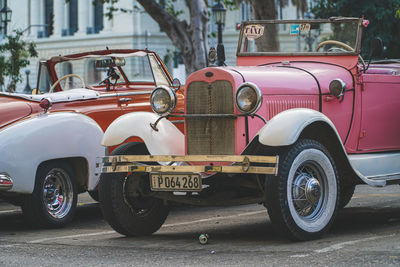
x,y
253,31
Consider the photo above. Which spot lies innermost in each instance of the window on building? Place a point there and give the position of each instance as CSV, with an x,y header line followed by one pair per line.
x,y
98,16
1,6
73,17
48,17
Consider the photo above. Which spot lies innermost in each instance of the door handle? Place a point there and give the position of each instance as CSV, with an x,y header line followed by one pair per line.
x,y
124,100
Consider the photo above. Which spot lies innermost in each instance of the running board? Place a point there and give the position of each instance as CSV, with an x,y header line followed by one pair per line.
x,y
389,179
377,169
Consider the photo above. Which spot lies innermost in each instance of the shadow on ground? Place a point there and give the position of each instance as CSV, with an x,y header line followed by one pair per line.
x,y
15,221
351,220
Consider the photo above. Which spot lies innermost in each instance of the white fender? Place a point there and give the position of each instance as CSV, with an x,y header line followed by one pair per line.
x,y
168,140
28,143
285,128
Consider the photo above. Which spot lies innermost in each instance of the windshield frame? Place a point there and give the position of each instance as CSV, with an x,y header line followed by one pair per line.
x,y
330,20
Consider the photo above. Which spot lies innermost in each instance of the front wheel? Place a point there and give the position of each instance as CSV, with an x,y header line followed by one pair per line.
x,y
302,200
129,215
53,201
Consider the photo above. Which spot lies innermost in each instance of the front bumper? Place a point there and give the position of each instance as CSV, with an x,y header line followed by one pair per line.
x,y
6,183
237,164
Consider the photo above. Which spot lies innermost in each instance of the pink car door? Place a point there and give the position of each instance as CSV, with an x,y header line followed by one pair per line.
x,y
380,111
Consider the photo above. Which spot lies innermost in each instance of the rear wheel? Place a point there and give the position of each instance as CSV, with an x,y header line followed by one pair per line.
x,y
53,201
302,200
130,215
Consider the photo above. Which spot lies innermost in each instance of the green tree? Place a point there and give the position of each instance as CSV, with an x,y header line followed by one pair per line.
x,y
14,55
382,17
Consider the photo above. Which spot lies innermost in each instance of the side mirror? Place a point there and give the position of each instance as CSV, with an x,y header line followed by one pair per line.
x,y
176,84
376,47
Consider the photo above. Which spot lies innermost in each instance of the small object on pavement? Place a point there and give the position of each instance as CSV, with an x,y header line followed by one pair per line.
x,y
203,239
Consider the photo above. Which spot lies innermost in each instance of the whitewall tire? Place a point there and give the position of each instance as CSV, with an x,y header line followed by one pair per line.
x,y
302,200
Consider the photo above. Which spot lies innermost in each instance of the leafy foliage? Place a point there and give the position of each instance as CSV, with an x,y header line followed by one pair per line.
x,y
14,55
382,15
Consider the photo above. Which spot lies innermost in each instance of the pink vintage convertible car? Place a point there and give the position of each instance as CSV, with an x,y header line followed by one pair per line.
x,y
296,125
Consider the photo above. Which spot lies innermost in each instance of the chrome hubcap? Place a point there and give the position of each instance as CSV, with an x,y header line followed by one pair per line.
x,y
308,191
313,191
57,193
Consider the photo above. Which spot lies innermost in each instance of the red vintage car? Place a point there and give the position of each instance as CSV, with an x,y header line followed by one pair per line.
x,y
296,126
50,137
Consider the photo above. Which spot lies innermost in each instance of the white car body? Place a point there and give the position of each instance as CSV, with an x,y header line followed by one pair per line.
x,y
27,144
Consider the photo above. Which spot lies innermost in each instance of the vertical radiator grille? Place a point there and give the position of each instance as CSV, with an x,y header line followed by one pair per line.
x,y
210,136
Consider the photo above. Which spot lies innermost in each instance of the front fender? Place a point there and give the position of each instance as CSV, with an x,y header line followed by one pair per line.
x,y
168,140
285,128
26,144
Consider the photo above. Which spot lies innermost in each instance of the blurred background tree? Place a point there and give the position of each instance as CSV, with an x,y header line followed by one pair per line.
x,y
14,55
381,14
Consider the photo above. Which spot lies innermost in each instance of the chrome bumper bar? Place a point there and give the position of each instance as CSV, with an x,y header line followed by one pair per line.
x,y
6,183
237,164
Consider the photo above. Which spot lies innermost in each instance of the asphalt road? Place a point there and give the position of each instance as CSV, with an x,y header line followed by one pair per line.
x,y
365,233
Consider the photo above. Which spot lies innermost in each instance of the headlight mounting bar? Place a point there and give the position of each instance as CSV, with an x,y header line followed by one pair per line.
x,y
232,116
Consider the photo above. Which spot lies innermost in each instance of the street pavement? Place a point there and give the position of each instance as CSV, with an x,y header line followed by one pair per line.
x,y
365,233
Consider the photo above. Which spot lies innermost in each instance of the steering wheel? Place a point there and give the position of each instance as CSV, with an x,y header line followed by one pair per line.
x,y
66,77
335,43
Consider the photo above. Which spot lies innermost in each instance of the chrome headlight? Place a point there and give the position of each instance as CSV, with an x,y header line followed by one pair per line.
x,y
248,98
163,100
337,87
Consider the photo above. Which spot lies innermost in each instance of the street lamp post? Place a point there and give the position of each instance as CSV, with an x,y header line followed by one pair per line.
x,y
28,88
219,14
5,16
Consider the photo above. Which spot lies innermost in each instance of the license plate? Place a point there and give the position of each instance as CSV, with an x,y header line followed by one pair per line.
x,y
175,182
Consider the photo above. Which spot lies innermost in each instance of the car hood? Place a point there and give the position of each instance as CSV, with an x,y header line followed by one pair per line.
x,y
12,110
297,78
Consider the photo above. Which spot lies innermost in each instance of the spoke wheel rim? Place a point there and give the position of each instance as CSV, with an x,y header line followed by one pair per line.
x,y
313,170
309,191
57,193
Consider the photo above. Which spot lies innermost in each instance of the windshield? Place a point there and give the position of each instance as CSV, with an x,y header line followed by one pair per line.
x,y
94,70
328,37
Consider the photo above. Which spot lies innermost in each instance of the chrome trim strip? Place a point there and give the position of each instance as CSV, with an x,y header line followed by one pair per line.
x,y
125,94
